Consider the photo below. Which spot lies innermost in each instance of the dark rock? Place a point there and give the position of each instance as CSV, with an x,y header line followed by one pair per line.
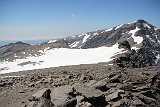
x,y
69,103
96,101
2,84
115,78
125,45
101,86
31,85
156,83
143,57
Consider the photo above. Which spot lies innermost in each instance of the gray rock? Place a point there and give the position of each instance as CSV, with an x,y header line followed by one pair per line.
x,y
83,77
116,104
62,94
45,93
126,86
42,102
143,88
91,82
32,104
115,79
137,102
87,91
145,99
114,95
79,98
101,86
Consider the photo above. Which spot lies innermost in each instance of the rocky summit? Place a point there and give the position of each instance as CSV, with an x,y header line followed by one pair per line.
x,y
116,67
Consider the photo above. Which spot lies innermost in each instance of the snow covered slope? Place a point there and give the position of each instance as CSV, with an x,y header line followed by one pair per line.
x,y
61,57
92,47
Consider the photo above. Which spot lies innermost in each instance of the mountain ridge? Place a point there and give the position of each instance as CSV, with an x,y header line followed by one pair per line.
x,y
92,47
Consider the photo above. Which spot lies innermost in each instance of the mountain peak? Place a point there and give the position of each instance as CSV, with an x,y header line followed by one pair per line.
x,y
141,21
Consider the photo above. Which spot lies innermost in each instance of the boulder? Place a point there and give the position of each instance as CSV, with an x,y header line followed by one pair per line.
x,y
114,95
45,93
101,86
125,86
62,95
41,98
115,78
68,103
137,102
145,99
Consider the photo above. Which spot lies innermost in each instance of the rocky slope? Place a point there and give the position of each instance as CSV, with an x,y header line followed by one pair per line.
x,y
139,34
12,48
98,85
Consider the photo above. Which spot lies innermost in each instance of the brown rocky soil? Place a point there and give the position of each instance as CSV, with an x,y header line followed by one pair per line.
x,y
94,85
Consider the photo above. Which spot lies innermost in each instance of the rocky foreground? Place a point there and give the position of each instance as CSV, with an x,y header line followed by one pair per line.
x,y
95,85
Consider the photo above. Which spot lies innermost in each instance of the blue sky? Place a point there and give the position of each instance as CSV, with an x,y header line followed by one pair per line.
x,y
48,19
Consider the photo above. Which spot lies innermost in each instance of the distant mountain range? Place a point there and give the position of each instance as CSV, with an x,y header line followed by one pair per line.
x,y
32,42
140,35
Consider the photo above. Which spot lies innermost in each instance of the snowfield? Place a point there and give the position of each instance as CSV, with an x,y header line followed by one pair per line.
x,y
61,57
137,39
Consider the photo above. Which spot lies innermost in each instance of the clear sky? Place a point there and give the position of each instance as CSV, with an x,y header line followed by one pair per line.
x,y
49,19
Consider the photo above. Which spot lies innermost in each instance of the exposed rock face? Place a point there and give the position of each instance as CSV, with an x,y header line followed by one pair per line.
x,y
109,37
11,49
125,45
136,59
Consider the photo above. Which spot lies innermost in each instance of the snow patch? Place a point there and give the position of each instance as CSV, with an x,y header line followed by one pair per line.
x,y
137,39
96,33
146,25
157,39
150,38
62,57
135,48
51,41
74,44
85,38
107,30
157,58
118,27
81,35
